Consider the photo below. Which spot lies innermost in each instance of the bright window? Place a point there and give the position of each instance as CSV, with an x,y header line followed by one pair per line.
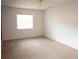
x,y
24,21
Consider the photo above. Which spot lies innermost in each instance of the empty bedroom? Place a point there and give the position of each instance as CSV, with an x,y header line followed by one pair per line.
x,y
39,29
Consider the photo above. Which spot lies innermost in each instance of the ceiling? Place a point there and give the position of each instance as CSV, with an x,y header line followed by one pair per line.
x,y
32,4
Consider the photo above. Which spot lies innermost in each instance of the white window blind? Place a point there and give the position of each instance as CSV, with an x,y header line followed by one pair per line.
x,y
24,21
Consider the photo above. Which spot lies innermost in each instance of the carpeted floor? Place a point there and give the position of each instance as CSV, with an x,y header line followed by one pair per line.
x,y
36,48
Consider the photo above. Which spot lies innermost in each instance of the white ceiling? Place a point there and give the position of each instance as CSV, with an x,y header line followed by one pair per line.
x,y
33,4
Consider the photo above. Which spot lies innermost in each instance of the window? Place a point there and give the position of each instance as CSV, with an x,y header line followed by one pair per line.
x,y
24,21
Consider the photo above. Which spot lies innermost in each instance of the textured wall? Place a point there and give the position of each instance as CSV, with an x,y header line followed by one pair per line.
x,y
9,30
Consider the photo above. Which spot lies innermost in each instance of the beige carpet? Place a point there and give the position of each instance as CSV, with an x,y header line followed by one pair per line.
x,y
36,48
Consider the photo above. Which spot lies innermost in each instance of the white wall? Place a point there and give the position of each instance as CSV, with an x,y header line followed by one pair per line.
x,y
9,30
61,23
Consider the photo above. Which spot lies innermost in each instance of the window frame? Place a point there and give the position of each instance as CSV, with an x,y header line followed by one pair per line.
x,y
26,27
